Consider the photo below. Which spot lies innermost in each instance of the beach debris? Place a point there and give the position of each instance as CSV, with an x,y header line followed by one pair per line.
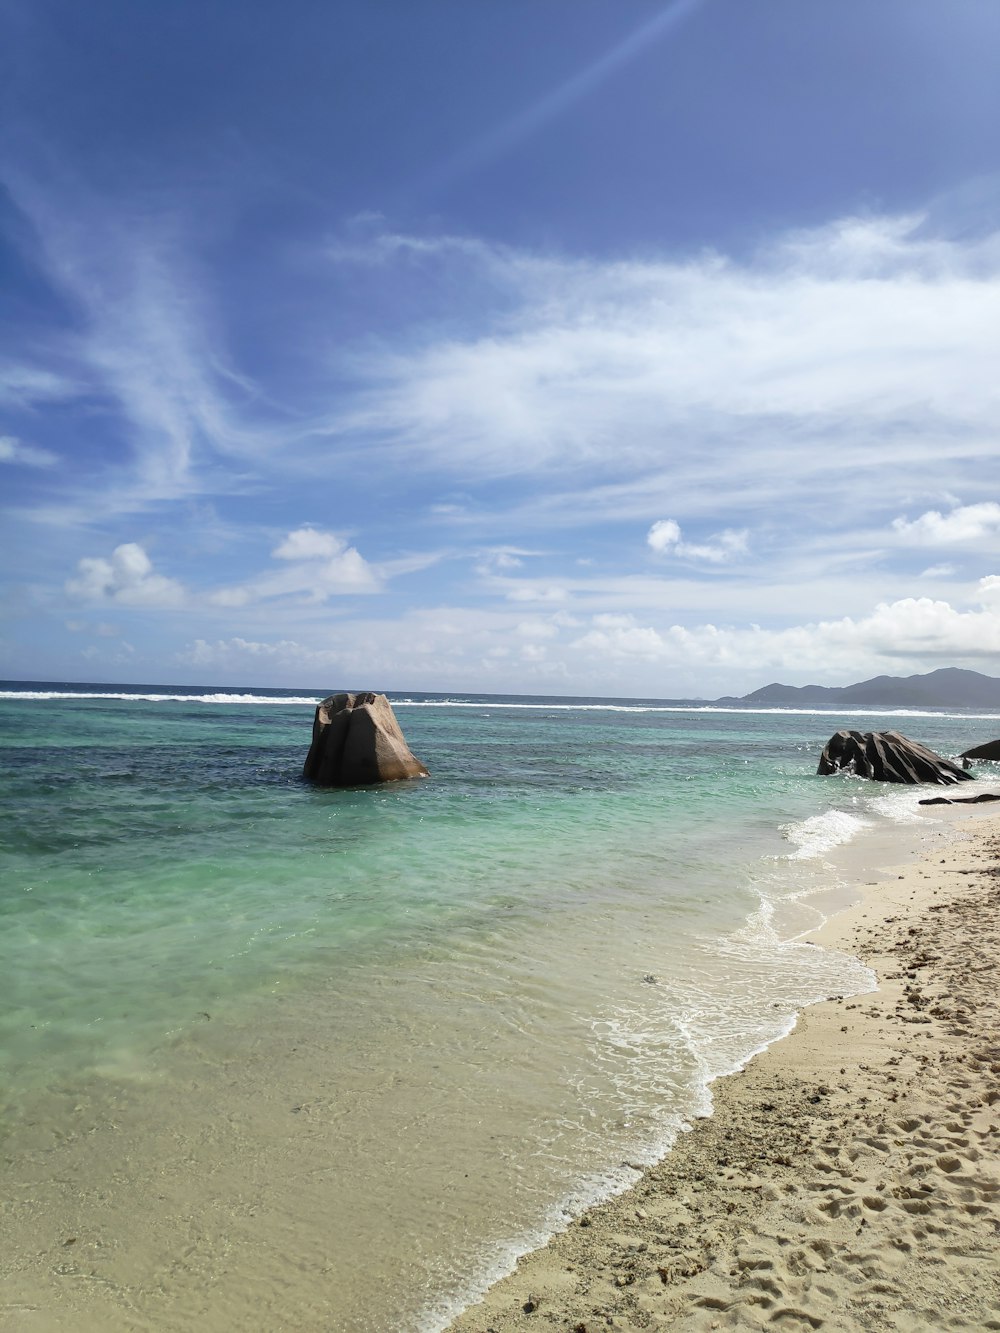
x,y
991,750
357,742
886,756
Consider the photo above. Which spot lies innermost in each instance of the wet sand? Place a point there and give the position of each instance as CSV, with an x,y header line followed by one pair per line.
x,y
848,1178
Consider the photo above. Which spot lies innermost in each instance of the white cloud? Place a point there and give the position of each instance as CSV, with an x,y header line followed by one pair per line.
x,y
30,386
506,560
620,636
785,365
309,544
966,523
494,562
919,631
230,597
806,393
123,654
537,592
16,451
150,346
315,565
665,537
611,653
237,650
127,578
533,652
664,534
536,629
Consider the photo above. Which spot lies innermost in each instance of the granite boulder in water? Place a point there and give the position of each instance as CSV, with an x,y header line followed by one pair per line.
x,y
357,742
886,756
991,750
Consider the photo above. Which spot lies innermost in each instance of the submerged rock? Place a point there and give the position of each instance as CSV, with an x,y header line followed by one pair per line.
x,y
886,756
357,741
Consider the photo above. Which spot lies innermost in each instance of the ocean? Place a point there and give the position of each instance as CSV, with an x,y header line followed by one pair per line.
x,y
276,1057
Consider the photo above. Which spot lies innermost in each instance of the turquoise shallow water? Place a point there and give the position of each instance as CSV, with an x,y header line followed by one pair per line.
x,y
584,914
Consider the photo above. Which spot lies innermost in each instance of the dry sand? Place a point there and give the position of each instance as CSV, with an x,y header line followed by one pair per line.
x,y
848,1178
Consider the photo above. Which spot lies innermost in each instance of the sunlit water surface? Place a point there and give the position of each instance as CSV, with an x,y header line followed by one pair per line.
x,y
331,1059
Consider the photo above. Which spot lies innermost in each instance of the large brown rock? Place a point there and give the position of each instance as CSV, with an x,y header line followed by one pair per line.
x,y
356,742
886,756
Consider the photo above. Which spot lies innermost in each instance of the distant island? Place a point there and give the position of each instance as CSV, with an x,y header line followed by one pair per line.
x,y
949,687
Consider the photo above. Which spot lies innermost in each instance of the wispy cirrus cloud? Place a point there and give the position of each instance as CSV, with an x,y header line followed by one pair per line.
x,y
797,357
25,386
146,347
13,450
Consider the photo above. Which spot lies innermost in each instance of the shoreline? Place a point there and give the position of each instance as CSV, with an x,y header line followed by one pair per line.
x,y
847,1177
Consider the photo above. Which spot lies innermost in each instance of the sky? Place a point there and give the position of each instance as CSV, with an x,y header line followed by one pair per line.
x,y
589,347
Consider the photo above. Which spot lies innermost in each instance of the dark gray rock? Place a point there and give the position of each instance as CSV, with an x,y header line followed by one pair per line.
x,y
960,800
357,742
991,750
886,756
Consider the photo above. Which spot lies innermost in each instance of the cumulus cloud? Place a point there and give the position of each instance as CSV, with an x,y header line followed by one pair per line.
x,y
615,653
315,565
665,537
913,629
664,534
127,578
965,523
621,636
309,544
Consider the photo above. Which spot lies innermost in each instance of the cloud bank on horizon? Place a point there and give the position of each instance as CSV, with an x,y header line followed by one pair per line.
x,y
658,359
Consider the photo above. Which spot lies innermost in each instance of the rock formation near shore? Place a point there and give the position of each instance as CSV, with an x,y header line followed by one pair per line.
x,y
886,756
960,800
356,742
991,750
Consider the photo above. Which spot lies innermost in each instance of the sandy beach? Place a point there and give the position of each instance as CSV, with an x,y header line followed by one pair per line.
x,y
848,1178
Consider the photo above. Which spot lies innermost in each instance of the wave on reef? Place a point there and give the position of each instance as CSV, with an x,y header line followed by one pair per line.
x,y
492,702
123,697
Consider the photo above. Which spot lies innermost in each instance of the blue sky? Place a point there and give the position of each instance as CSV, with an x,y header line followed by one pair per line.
x,y
567,346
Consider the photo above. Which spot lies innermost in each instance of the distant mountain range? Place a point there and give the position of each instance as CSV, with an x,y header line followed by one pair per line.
x,y
950,687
